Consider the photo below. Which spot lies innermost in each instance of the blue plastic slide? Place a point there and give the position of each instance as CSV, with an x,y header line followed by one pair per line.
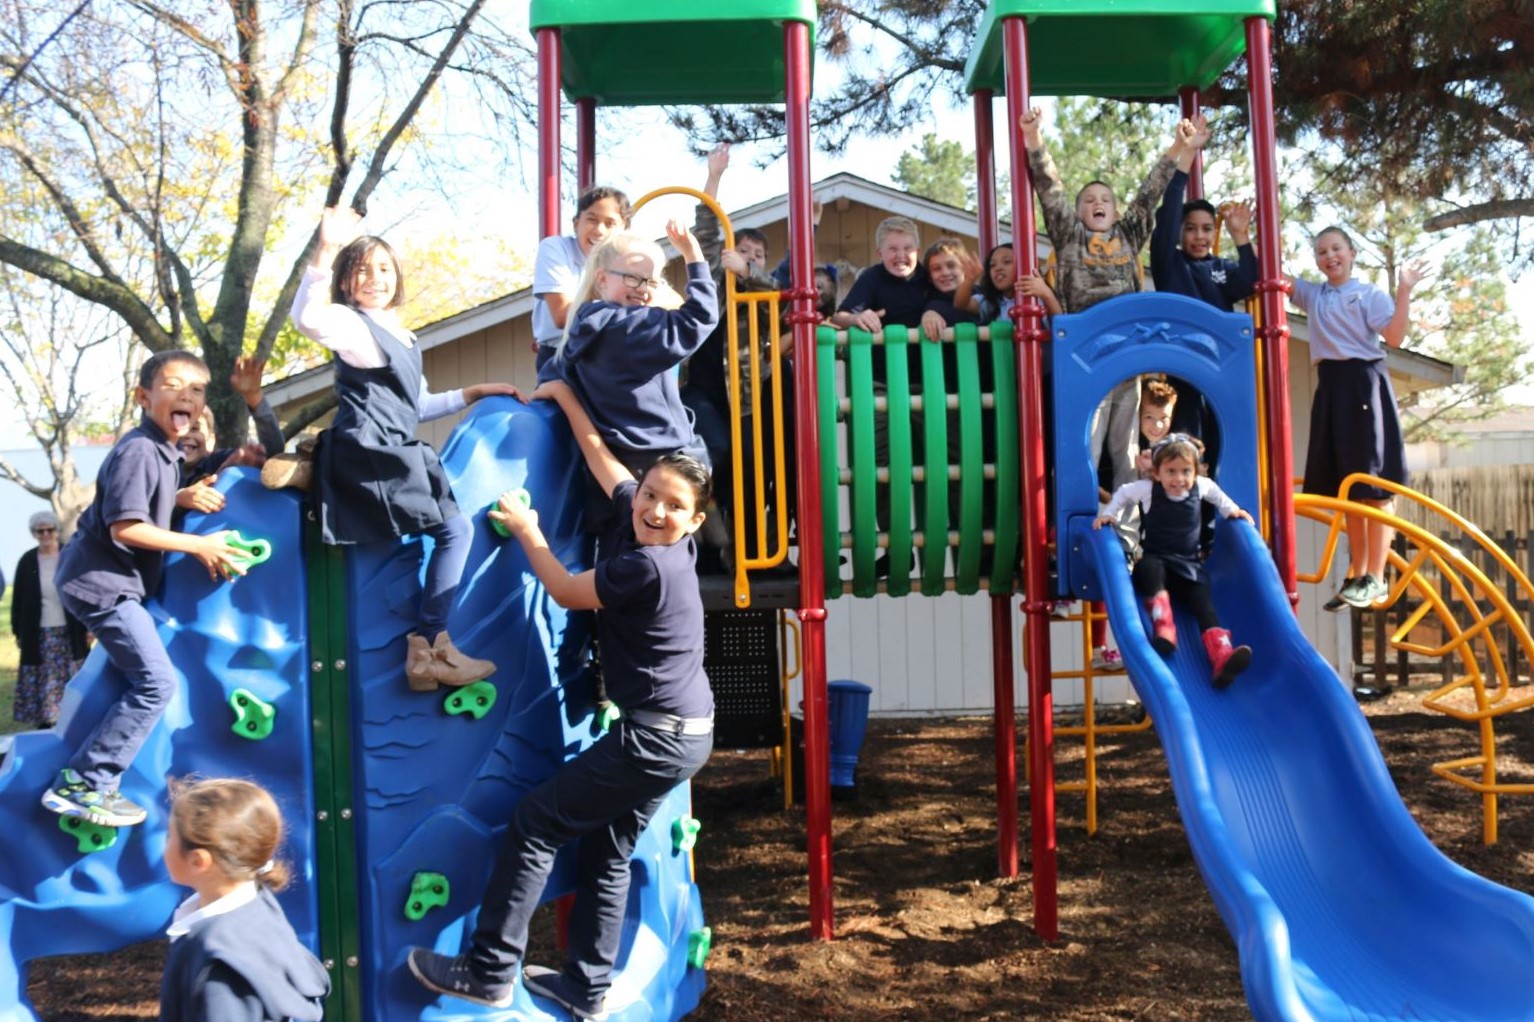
x,y
1340,907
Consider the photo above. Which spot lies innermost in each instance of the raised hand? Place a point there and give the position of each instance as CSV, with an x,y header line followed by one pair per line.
x,y
246,378
339,226
1238,218
719,159
684,241
1031,122
1412,274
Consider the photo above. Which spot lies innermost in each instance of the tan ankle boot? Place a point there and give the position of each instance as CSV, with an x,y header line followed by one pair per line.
x,y
420,665
455,667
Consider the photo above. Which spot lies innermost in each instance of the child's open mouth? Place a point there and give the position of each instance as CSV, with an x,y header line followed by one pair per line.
x,y
181,421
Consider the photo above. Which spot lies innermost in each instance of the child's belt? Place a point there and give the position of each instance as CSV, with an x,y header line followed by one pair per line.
x,y
670,722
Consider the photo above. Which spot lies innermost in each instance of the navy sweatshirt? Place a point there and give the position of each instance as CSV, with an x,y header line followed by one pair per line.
x,y
1219,282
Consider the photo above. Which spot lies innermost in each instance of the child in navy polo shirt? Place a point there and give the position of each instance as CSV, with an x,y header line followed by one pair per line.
x,y
113,564
650,624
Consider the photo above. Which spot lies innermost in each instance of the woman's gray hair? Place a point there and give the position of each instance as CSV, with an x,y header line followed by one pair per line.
x,y
42,518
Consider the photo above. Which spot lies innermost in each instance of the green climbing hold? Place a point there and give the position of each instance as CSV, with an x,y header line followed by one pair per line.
x,y
698,943
251,551
253,717
475,700
89,837
427,891
684,833
521,496
608,715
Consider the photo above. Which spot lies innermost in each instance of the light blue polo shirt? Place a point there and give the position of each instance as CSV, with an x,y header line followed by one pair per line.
x,y
1345,322
557,268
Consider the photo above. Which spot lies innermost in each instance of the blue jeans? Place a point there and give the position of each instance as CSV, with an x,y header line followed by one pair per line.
x,y
128,634
443,573
604,797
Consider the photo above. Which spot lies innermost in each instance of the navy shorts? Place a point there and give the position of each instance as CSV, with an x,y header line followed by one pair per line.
x,y
1354,428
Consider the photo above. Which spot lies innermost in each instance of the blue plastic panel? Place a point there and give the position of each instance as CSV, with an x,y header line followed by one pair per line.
x,y
1129,336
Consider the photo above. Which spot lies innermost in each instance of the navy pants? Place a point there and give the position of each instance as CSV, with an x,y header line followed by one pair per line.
x,y
127,632
444,570
604,797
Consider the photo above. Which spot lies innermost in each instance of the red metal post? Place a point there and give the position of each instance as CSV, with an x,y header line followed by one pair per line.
x,y
585,144
1190,101
812,585
1271,289
548,132
1004,714
1028,314
985,170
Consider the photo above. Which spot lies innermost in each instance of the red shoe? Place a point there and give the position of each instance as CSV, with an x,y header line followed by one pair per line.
x,y
1164,636
1227,660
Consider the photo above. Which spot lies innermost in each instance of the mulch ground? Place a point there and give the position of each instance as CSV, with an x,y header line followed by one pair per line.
x,y
924,929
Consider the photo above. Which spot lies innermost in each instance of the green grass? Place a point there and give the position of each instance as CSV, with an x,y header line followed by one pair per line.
x,y
10,656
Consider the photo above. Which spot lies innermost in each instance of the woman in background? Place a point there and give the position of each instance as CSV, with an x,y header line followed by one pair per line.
x,y
52,642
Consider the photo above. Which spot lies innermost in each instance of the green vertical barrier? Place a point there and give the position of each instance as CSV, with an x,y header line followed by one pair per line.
x,y
860,388
897,374
971,462
830,484
335,834
1004,362
934,555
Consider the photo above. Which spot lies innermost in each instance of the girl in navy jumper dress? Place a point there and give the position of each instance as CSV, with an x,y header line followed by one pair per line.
x,y
1170,519
233,956
373,480
650,623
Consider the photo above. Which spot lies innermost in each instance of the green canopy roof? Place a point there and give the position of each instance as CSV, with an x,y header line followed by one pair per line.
x,y
674,51
1145,48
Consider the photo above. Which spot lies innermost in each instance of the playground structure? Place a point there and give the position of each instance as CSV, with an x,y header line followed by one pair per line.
x,y
1286,800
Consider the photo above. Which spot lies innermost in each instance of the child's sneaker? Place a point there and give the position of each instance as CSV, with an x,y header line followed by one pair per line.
x,y
551,985
71,796
451,975
1062,608
1106,659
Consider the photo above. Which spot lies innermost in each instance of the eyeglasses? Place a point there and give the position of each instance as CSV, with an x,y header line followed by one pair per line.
x,y
648,283
44,531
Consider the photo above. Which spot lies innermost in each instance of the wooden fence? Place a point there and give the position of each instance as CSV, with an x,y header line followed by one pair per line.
x,y
1497,498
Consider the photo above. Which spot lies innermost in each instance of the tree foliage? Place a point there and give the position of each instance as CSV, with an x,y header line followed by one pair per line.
x,y
172,144
938,170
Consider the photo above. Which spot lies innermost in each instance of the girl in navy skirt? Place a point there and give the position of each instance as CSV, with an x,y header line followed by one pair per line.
x,y
1170,519
1353,422
374,481
650,623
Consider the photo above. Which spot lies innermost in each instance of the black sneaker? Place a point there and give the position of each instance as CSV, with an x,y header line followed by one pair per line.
x,y
553,986
451,975
1336,603
72,796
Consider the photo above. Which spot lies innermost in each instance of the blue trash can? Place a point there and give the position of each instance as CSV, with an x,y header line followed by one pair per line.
x,y
848,704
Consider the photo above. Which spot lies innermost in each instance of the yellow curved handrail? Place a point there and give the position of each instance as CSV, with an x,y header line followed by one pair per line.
x,y
767,557
1453,568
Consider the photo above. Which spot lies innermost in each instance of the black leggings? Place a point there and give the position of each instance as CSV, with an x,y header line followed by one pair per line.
x,y
1151,576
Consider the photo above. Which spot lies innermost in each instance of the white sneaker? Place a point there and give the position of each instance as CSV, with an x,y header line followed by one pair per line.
x,y
1105,659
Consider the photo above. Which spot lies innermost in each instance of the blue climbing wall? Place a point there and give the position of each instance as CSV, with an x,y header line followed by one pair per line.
x,y
433,789
251,634
1147,333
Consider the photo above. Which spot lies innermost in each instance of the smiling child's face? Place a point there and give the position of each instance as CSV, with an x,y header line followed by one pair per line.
x,y
375,280
1097,208
597,222
1334,257
898,254
176,398
665,508
946,271
198,442
1176,476
1198,234
1155,422
631,280
1003,270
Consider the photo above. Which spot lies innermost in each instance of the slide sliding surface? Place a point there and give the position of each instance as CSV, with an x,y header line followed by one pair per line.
x,y
1340,907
